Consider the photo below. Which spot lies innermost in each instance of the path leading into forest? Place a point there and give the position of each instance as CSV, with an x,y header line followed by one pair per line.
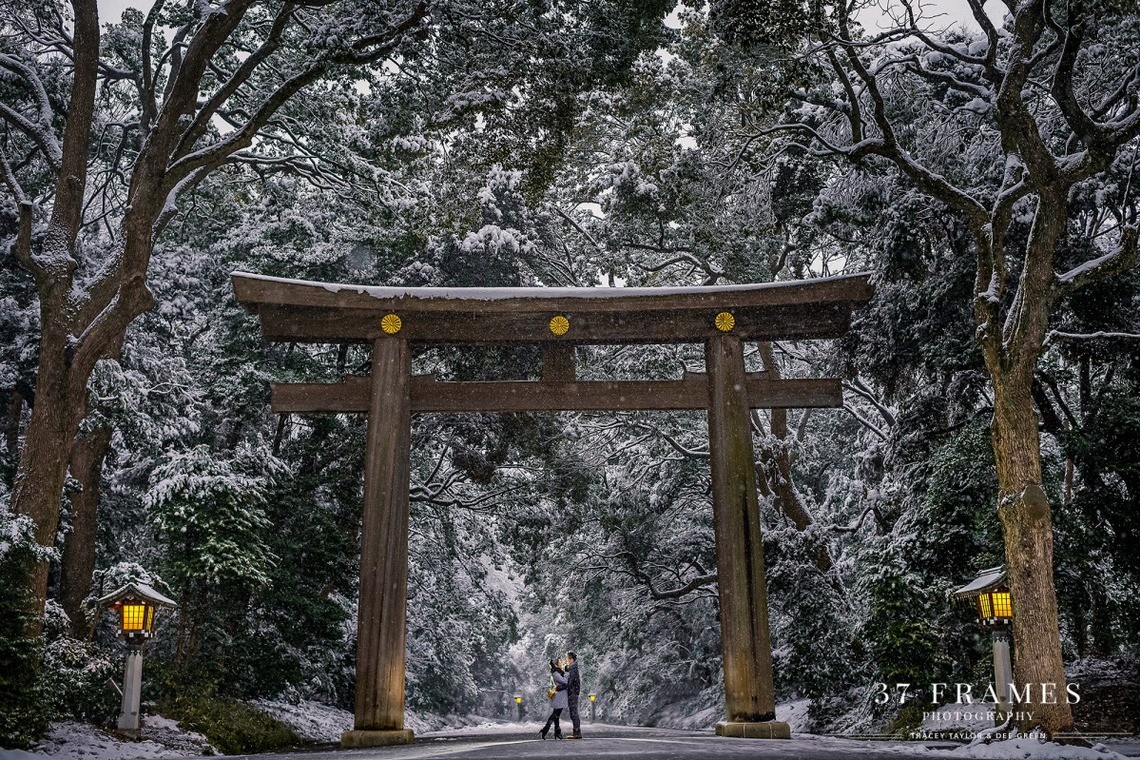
x,y
603,741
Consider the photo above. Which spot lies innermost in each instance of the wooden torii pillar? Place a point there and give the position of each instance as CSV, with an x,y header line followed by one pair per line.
x,y
749,689
382,610
393,320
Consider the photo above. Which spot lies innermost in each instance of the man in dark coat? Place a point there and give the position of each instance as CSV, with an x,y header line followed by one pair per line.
x,y
573,689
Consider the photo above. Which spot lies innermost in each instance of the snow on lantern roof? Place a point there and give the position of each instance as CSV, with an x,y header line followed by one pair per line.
x,y
987,580
138,591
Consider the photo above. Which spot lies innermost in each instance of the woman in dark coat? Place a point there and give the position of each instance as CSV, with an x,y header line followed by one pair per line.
x,y
558,702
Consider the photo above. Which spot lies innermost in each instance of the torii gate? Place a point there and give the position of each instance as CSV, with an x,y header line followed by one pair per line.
x,y
394,320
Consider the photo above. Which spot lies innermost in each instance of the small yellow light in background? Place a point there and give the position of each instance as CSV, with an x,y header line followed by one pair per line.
x,y
593,697
518,700
725,321
391,324
559,325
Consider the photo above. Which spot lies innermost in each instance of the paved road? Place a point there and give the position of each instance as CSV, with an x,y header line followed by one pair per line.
x,y
617,742
602,741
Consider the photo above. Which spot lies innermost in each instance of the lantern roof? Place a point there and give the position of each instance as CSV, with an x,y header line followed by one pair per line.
x,y
987,580
142,591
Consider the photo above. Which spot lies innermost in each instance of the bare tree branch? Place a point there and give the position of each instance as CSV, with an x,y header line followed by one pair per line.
x,y
693,584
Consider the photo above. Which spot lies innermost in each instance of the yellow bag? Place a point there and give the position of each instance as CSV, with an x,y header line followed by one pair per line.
x,y
550,693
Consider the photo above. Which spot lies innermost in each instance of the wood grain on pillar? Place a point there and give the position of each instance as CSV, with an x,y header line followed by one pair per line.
x,y
747,648
558,362
384,542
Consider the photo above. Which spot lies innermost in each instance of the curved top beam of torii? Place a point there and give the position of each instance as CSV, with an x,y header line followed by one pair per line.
x,y
317,312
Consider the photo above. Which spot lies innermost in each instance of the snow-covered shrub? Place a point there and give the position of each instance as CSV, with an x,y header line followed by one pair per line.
x,y
24,710
233,727
78,677
121,573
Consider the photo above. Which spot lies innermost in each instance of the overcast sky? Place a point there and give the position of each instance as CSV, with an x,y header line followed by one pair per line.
x,y
948,12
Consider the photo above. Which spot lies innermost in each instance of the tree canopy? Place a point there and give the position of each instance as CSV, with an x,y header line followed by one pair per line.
x,y
983,171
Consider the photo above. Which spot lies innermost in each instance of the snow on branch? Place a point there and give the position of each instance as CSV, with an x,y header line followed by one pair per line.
x,y
673,442
187,160
859,388
22,244
1109,264
41,136
635,571
865,422
39,130
1099,335
239,77
859,146
870,509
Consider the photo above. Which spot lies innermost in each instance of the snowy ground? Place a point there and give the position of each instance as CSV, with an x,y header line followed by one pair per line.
x,y
322,724
485,727
795,714
80,741
499,741
685,716
313,721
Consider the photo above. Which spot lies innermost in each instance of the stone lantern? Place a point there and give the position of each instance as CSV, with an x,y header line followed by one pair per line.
x,y
990,593
136,604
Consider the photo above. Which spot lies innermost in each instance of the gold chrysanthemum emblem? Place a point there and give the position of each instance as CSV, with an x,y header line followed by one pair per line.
x,y
725,321
559,325
391,324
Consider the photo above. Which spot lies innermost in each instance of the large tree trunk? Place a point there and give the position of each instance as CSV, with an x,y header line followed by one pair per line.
x,y
1011,355
61,383
81,323
55,419
1028,528
77,565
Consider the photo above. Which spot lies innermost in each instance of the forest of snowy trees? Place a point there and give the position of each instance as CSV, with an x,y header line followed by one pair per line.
x,y
983,169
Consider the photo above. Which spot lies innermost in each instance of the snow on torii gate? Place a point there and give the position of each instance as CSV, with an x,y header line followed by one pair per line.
x,y
393,320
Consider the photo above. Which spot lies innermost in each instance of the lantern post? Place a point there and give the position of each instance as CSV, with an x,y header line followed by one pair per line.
x,y
518,701
136,604
990,592
593,706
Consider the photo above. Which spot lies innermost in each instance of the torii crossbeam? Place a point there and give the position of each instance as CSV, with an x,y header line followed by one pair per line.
x,y
394,320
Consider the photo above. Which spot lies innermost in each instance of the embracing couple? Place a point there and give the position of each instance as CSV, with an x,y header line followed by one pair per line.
x,y
565,686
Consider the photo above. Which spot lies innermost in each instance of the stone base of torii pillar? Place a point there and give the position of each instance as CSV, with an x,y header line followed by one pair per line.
x,y
359,739
768,729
